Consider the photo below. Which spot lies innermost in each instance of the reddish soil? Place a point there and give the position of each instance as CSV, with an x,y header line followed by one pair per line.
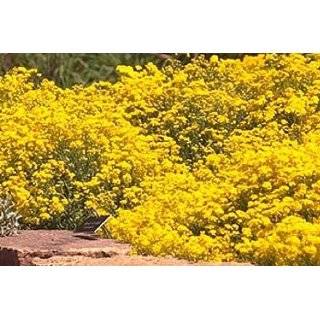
x,y
65,248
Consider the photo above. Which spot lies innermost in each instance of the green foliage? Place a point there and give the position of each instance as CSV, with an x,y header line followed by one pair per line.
x,y
9,219
67,69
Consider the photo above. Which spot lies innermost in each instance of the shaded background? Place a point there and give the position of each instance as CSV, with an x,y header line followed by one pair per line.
x,y
67,69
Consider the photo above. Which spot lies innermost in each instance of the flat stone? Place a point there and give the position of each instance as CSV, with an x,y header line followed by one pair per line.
x,y
31,245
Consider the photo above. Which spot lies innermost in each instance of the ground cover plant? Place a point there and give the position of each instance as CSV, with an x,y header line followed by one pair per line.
x,y
211,160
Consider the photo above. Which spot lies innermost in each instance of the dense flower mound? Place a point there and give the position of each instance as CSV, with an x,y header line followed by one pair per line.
x,y
216,160
68,153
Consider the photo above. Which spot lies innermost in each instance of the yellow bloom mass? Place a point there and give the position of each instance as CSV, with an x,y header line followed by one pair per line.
x,y
216,160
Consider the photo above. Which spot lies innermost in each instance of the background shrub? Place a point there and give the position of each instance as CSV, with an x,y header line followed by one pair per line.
x,y
67,69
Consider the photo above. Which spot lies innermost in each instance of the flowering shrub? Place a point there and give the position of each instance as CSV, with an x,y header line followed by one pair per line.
x,y
65,153
216,160
249,133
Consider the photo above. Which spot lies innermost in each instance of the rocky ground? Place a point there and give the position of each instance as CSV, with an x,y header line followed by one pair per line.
x,y
65,248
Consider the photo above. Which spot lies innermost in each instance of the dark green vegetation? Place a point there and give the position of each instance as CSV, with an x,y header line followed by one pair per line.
x,y
67,69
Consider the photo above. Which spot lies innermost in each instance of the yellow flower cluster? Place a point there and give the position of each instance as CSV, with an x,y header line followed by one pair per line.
x,y
248,132
67,153
216,160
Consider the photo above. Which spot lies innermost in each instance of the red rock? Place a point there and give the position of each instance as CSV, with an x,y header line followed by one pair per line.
x,y
23,248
